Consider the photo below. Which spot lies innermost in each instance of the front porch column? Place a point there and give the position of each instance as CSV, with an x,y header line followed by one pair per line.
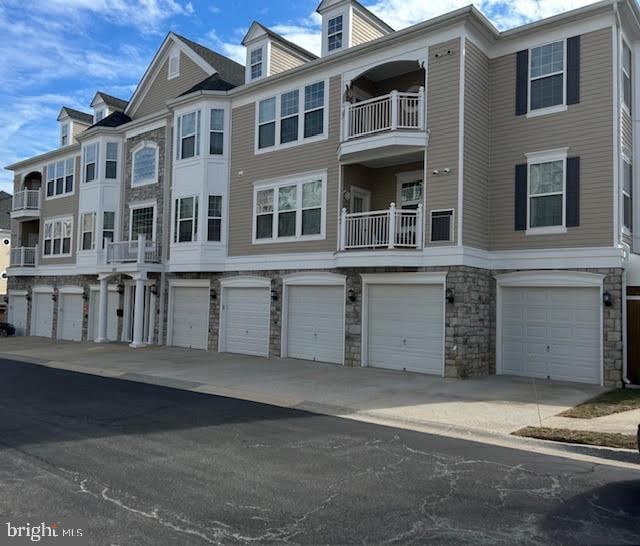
x,y
102,311
138,315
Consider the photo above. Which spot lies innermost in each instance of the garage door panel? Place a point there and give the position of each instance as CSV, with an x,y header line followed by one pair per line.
x,y
18,314
70,317
42,315
190,317
246,321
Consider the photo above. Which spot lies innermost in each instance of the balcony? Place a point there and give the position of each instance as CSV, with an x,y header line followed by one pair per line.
x,y
23,256
388,229
26,204
132,252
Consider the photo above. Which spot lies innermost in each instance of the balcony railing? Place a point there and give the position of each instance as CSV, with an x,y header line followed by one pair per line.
x,y
391,228
140,251
24,256
26,200
388,112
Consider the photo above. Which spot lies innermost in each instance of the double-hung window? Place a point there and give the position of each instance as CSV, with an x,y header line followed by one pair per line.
x,y
627,195
87,226
546,194
214,218
334,33
99,115
216,132
142,222
108,226
145,165
313,109
255,59
186,224
57,237
289,108
91,162
290,211
267,123
111,161
64,134
188,135
627,95
547,76
60,177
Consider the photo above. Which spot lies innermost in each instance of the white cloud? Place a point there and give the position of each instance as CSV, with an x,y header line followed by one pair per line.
x,y
233,50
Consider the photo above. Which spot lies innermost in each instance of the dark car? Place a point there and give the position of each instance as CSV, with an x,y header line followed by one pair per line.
x,y
7,329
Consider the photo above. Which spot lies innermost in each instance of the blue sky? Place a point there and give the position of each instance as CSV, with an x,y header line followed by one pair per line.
x,y
60,52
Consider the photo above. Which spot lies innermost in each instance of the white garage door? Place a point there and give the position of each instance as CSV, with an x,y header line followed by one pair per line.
x,y
70,317
18,314
552,333
190,317
41,314
315,323
245,326
405,327
113,299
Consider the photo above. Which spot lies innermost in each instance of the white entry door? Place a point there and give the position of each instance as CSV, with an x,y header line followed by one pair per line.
x,y
113,300
552,333
245,321
190,317
315,323
405,327
70,317
18,314
41,314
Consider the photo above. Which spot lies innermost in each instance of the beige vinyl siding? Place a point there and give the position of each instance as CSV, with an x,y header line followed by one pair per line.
x,y
321,155
443,84
281,59
626,132
160,89
362,30
78,128
586,128
60,206
475,231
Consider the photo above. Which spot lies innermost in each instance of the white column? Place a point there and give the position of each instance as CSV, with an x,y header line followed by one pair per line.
x,y
141,248
392,225
126,319
138,315
394,109
152,318
102,312
343,229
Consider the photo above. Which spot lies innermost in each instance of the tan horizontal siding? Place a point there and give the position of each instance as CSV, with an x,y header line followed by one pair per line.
x,y
162,90
281,59
299,159
443,84
476,148
586,128
362,30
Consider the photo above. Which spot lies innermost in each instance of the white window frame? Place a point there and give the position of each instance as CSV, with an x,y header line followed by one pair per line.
x,y
194,219
64,181
196,133
81,231
85,163
113,231
626,107
347,30
451,226
65,132
222,131
173,71
626,158
262,63
53,220
408,177
557,107
153,179
341,32
144,205
107,160
301,114
100,114
214,218
298,181
536,158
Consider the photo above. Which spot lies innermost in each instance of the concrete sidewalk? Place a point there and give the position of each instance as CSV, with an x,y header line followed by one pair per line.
x,y
496,405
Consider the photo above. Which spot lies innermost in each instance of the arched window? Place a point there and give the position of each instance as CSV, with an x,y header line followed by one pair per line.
x,y
145,164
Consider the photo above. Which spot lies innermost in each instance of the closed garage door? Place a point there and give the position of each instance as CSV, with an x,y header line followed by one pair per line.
x,y
113,299
70,317
552,333
18,314
190,317
405,327
315,323
245,323
41,314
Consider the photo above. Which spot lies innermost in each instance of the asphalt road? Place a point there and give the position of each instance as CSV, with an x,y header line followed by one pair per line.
x,y
153,465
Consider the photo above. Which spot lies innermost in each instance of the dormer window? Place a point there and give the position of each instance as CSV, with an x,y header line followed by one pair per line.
x,y
334,33
100,115
256,63
64,134
174,65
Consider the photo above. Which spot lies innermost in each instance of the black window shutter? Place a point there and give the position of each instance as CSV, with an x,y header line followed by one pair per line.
x,y
573,70
522,81
521,197
573,191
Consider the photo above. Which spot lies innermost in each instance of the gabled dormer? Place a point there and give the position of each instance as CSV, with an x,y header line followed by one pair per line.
x,y
347,23
72,122
268,53
104,104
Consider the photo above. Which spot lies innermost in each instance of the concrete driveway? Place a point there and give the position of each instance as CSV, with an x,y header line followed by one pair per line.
x,y
497,404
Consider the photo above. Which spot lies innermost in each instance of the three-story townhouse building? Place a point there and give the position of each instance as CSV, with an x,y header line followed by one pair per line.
x,y
444,199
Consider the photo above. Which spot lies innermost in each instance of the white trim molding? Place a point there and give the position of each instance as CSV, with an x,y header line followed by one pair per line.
x,y
71,290
313,278
245,281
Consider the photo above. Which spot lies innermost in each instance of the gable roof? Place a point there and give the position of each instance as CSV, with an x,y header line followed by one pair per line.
x,y
255,26
114,119
326,4
112,102
212,83
75,115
